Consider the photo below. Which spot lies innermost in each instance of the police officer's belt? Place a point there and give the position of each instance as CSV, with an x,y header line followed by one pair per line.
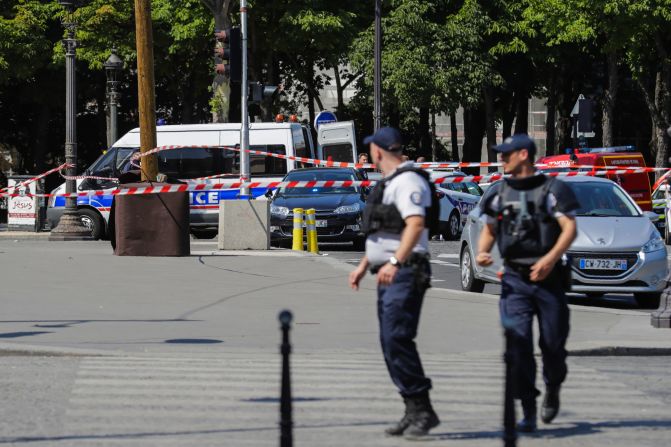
x,y
414,259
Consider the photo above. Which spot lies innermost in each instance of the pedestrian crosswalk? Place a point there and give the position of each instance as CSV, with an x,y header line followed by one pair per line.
x,y
339,399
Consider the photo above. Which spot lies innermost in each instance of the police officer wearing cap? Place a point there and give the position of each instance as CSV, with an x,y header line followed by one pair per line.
x,y
397,252
531,217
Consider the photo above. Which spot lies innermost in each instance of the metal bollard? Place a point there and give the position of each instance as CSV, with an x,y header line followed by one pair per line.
x,y
286,423
311,226
509,429
298,230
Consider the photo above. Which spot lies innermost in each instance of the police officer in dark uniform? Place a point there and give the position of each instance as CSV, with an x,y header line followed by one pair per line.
x,y
397,252
531,217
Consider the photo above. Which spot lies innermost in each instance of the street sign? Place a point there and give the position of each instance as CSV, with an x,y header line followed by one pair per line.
x,y
324,117
575,112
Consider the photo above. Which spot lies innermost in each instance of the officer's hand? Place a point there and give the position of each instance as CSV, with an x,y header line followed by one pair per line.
x,y
541,269
355,277
484,259
386,274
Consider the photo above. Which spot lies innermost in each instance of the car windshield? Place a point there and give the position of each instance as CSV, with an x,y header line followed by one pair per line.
x,y
319,175
600,199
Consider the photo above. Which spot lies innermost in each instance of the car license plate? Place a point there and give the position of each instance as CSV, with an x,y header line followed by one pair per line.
x,y
321,223
603,264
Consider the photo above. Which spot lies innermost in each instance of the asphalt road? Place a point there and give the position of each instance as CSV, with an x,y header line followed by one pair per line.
x,y
445,267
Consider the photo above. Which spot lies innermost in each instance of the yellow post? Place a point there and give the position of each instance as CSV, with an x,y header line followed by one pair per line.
x,y
298,230
311,225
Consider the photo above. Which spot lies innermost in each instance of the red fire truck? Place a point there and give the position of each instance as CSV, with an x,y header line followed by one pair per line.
x,y
637,185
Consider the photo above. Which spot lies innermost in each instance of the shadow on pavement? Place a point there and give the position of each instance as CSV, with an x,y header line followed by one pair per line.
x,y
22,334
570,429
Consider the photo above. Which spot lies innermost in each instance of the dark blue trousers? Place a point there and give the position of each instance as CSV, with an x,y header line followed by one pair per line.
x,y
520,301
398,309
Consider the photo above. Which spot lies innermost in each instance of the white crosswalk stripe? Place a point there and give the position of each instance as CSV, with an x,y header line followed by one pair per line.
x,y
233,401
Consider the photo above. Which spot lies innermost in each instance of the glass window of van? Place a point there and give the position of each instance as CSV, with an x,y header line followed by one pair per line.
x,y
300,147
190,162
258,164
338,152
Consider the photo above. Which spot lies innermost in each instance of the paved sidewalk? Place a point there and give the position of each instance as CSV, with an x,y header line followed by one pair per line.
x,y
184,352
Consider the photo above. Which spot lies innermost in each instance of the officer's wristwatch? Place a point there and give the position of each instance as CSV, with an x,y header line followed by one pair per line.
x,y
395,262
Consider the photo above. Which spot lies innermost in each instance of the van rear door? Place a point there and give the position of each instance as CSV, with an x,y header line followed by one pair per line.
x,y
337,141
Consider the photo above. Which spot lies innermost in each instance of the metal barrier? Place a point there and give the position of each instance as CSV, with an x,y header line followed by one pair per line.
x,y
311,226
298,230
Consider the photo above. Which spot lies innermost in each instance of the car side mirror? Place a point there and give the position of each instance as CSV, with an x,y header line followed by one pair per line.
x,y
654,217
270,193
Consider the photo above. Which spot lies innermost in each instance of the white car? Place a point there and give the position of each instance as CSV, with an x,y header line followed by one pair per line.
x,y
456,201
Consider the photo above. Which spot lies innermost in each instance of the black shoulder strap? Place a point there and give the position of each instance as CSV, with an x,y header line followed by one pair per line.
x,y
542,197
420,171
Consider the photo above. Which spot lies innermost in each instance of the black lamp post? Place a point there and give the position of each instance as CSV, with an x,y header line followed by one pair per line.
x,y
113,68
70,226
377,82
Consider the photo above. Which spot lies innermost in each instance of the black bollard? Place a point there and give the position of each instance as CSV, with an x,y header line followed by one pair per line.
x,y
286,424
509,430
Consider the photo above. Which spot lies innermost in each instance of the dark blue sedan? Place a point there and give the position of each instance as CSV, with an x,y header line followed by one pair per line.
x,y
338,209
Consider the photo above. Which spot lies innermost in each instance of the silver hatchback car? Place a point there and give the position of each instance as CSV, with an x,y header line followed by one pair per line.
x,y
618,249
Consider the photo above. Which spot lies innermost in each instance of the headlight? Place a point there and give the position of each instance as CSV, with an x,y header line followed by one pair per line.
x,y
655,243
281,211
347,209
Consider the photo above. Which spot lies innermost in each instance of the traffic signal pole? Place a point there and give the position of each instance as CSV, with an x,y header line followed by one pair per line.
x,y
244,127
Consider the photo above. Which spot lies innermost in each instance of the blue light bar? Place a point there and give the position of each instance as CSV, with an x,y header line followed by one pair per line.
x,y
598,150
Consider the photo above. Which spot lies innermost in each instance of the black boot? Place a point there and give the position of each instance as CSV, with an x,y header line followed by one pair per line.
x,y
528,423
399,428
422,419
550,406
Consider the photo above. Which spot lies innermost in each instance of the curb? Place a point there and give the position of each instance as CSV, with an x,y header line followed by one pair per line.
x,y
23,236
621,351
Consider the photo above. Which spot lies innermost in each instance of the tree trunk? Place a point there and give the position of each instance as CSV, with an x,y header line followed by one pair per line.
x,y
434,146
454,130
522,121
565,105
551,116
221,85
609,98
339,89
490,120
508,111
474,132
424,148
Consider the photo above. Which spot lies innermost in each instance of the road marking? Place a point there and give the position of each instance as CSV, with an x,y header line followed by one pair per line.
x,y
157,401
451,264
448,256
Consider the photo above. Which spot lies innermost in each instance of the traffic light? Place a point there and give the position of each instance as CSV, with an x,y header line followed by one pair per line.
x,y
259,92
585,115
228,53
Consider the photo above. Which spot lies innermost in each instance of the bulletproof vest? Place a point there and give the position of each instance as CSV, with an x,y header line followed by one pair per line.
x,y
526,231
380,217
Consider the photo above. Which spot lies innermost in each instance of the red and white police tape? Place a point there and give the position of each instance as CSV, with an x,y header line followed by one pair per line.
x,y
212,185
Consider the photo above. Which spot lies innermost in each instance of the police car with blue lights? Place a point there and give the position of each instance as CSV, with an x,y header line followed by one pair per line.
x,y
193,162
456,201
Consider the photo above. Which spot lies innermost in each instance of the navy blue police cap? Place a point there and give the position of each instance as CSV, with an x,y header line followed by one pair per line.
x,y
387,138
515,143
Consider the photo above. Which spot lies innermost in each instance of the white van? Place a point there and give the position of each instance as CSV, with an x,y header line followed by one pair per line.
x,y
291,139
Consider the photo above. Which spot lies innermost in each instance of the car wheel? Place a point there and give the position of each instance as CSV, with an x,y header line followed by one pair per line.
x,y
93,222
469,282
359,244
204,234
450,229
648,300
667,234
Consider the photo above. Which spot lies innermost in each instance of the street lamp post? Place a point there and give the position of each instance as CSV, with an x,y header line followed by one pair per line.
x,y
113,67
377,82
70,226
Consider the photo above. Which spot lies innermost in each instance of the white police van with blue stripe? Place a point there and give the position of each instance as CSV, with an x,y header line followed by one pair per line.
x,y
456,201
291,139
